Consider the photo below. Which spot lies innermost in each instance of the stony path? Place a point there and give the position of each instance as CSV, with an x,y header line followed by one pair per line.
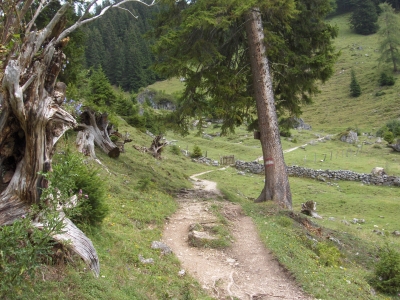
x,y
246,270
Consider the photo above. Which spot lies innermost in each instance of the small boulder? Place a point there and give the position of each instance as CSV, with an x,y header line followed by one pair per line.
x,y
160,245
396,233
378,171
349,137
200,238
200,235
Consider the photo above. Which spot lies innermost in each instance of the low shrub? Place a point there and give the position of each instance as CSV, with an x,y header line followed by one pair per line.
x,y
355,89
387,271
329,255
388,137
380,93
114,138
196,152
175,150
385,79
23,249
71,176
145,184
390,131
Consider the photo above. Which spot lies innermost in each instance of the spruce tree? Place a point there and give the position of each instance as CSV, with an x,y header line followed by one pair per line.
x,y
100,94
355,89
389,32
364,17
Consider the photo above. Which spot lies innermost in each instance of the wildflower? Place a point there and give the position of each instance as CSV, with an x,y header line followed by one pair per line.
x,y
86,197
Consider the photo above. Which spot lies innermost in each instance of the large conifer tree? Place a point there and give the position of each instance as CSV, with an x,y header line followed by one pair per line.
x,y
206,43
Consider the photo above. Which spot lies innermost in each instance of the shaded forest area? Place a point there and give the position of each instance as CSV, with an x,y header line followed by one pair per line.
x,y
116,44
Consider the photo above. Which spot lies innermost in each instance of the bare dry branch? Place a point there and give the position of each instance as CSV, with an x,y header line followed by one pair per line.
x,y
40,8
81,22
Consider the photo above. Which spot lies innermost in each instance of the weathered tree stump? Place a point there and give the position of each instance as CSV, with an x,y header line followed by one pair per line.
x,y
309,208
94,129
157,146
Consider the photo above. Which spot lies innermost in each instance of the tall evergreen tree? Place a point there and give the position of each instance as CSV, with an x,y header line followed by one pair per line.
x,y
389,31
364,17
205,43
100,93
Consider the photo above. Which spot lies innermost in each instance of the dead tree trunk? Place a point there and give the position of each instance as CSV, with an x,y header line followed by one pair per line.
x,y
31,117
31,122
276,180
157,146
94,129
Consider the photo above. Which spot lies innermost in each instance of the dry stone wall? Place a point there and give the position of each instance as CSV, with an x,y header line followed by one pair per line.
x,y
324,175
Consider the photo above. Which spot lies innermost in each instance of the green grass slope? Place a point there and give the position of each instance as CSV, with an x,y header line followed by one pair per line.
x,y
140,193
334,109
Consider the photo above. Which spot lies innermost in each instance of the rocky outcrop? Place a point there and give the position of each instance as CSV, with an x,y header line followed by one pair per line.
x,y
396,146
298,123
350,137
156,102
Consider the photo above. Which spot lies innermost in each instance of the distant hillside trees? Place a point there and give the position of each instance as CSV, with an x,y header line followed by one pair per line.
x,y
116,44
364,17
395,4
390,39
343,6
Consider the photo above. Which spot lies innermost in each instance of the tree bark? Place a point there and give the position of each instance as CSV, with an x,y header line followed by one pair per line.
x,y
276,186
94,128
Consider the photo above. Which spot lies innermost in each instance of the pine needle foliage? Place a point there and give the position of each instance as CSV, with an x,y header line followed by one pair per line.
x,y
355,89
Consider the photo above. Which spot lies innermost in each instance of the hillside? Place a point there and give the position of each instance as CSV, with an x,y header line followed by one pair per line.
x,y
329,258
334,109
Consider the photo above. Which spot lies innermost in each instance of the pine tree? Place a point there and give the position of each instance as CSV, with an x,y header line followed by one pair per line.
x,y
390,40
100,93
364,17
355,89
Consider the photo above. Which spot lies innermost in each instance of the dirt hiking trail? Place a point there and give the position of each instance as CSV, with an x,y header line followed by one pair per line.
x,y
246,269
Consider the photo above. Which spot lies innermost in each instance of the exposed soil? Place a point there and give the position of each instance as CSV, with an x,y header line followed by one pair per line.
x,y
245,270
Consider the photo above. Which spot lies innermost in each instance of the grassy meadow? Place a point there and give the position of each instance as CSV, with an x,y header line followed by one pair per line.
x,y
334,108
141,196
